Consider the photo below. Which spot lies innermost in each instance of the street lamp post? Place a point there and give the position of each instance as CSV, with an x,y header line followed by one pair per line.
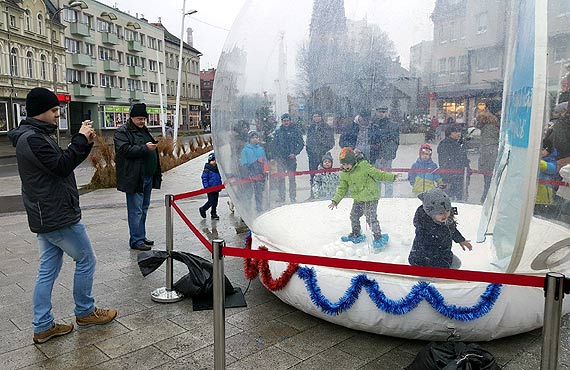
x,y
72,4
177,114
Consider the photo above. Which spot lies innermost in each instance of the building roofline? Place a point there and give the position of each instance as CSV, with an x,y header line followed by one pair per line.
x,y
169,37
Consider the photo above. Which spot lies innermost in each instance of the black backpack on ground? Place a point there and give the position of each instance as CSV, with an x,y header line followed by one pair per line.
x,y
453,356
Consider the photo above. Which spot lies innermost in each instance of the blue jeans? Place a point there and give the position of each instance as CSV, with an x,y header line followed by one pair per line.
x,y
137,207
388,187
72,240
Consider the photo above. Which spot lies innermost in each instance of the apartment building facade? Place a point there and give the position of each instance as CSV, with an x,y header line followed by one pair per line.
x,y
190,102
112,61
30,46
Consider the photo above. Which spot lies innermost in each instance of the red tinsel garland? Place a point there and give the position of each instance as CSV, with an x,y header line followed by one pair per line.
x,y
253,267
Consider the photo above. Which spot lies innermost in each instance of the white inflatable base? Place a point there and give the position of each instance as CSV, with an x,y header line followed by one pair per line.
x,y
311,228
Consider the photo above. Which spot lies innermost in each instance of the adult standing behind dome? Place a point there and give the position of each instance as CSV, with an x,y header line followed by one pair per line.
x,y
489,124
320,139
560,134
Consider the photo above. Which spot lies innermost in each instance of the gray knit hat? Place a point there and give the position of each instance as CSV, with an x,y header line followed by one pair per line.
x,y
435,201
327,156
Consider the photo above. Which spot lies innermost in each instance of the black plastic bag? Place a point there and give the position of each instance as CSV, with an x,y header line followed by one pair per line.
x,y
453,356
197,282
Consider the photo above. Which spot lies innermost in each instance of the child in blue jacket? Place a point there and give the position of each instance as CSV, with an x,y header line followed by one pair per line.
x,y
211,177
428,178
253,163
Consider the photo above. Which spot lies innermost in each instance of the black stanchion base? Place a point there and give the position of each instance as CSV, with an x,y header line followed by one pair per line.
x,y
234,300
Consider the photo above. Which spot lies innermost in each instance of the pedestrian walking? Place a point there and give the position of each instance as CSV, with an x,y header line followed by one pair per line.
x,y
51,200
138,172
211,177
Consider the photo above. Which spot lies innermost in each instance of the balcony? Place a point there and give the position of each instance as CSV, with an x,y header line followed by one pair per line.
x,y
109,38
111,66
82,90
112,93
81,60
136,95
135,71
79,29
135,46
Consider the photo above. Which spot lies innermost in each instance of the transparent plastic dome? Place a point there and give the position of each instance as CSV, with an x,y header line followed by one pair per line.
x,y
418,88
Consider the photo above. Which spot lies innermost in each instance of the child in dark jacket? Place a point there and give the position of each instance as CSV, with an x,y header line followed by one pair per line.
x,y
427,178
211,177
436,229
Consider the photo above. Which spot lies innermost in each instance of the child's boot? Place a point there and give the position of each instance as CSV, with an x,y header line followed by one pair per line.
x,y
379,244
354,238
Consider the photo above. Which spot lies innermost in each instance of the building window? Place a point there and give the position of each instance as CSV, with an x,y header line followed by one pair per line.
x,y
89,21
90,49
143,39
91,78
144,86
143,63
104,53
132,60
72,46
107,81
159,45
121,82
481,21
30,64
56,69
14,62
120,32
153,87
13,23
133,85
481,62
103,26
40,24
120,58
152,65
73,76
69,15
43,66
452,68
442,67
130,35
152,43
463,64
28,20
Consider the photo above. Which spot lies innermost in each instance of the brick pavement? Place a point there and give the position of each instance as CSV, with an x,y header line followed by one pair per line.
x,y
268,334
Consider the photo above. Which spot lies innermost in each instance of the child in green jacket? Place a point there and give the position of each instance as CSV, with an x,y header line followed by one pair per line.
x,y
361,178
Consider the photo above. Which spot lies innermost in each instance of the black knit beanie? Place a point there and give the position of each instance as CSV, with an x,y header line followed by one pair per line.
x,y
40,100
138,110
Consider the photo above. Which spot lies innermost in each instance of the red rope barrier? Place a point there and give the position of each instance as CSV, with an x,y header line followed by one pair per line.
x,y
191,226
464,275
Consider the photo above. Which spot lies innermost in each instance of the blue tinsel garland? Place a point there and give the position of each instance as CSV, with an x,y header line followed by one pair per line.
x,y
419,292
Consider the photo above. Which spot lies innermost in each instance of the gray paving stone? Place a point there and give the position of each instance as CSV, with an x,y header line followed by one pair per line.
x,y
21,357
13,340
259,338
80,359
80,338
395,359
271,358
202,359
141,319
141,359
315,340
367,346
137,339
250,318
300,320
524,361
182,344
332,358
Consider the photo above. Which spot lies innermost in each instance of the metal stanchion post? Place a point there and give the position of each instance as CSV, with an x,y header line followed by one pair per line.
x,y
219,305
554,293
167,294
465,183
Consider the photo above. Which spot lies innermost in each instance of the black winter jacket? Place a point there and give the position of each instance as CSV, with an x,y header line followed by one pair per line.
x,y
320,139
287,140
130,150
387,135
451,154
49,190
432,244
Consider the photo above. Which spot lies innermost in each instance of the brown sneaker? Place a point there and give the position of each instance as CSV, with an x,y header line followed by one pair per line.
x,y
98,317
56,330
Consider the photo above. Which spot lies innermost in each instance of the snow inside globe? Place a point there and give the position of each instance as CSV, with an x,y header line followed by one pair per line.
x,y
332,118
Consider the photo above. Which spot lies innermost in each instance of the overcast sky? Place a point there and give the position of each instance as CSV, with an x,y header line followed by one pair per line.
x,y
210,24
406,21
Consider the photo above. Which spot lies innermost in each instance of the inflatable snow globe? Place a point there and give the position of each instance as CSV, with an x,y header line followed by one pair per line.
x,y
332,118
